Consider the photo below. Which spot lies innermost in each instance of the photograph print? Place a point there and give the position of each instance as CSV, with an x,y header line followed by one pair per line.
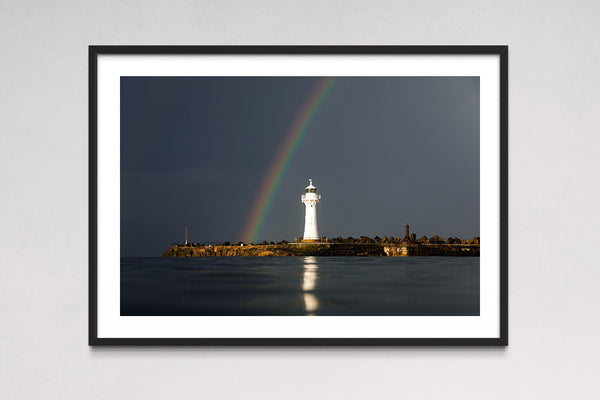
x,y
244,200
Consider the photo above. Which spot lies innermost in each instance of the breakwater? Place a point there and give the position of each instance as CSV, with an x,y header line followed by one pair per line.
x,y
325,249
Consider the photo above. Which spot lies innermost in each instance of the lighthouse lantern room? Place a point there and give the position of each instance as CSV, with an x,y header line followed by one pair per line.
x,y
310,199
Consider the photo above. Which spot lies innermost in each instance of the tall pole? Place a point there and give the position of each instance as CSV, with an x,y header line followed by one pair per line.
x,y
186,234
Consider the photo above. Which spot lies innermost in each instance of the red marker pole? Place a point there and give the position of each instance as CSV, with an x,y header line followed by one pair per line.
x,y
186,234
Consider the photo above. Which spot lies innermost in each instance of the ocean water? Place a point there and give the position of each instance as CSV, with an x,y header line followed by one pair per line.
x,y
349,286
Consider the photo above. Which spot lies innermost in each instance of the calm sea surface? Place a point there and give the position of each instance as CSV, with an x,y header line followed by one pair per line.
x,y
358,286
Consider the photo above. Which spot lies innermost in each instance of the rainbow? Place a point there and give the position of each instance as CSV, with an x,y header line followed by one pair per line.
x,y
283,158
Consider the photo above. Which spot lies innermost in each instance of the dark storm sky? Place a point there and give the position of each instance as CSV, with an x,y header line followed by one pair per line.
x,y
383,152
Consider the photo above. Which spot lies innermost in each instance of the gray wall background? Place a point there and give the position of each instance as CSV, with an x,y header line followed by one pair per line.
x,y
554,142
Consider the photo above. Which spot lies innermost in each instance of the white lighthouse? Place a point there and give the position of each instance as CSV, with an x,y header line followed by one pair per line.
x,y
310,199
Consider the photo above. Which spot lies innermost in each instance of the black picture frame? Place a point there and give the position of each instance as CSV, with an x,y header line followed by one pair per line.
x,y
96,51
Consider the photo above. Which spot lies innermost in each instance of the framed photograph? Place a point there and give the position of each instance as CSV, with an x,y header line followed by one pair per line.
x,y
298,195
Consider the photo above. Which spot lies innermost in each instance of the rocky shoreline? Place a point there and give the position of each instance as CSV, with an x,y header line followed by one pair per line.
x,y
325,249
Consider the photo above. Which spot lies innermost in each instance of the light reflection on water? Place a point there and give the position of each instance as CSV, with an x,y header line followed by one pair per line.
x,y
294,286
309,281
